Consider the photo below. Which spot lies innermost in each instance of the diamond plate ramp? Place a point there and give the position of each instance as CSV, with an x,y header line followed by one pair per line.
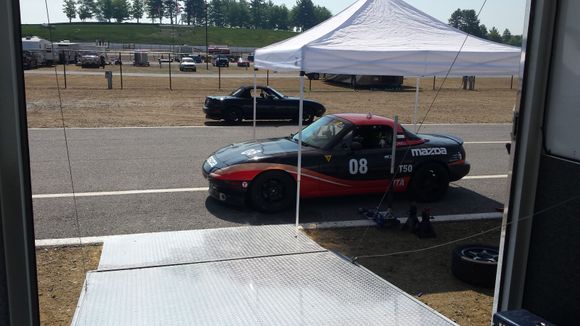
x,y
301,289
183,247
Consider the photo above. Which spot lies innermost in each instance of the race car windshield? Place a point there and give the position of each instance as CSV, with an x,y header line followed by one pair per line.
x,y
323,132
238,91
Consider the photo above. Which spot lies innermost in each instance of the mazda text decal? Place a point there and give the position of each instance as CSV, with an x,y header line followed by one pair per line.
x,y
429,151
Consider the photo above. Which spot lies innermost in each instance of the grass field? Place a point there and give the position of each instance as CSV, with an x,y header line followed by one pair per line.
x,y
156,34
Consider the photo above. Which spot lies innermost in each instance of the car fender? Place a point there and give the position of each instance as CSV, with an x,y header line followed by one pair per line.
x,y
247,172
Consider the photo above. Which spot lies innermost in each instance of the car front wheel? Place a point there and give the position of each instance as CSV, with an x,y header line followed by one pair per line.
x,y
272,191
233,116
430,182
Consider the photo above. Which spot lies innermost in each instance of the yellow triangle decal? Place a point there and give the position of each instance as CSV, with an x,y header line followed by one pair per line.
x,y
328,158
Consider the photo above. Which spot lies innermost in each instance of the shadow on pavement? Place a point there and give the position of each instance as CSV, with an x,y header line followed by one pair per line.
x,y
458,200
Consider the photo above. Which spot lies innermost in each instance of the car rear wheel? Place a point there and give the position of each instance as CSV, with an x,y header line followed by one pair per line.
x,y
233,116
430,182
272,191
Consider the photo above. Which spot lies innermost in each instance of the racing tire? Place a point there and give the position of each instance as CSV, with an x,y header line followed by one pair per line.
x,y
475,264
430,183
272,192
233,116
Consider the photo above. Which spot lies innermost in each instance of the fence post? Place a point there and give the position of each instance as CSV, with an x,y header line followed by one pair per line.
x,y
169,62
64,71
121,69
220,77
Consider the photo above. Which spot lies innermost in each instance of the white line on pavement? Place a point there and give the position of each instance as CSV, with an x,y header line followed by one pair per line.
x,y
118,193
307,226
487,142
275,126
479,177
175,190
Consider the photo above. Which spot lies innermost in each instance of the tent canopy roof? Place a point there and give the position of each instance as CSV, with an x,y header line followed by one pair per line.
x,y
388,37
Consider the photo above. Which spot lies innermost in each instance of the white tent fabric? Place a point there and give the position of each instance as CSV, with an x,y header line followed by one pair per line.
x,y
388,37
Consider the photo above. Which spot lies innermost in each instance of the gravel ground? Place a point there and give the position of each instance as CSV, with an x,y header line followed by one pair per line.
x,y
61,274
147,101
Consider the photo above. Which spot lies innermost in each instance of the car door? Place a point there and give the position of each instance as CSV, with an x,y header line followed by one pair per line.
x,y
362,160
282,107
263,105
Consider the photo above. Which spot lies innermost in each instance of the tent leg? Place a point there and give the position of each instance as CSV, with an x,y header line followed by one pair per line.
x,y
416,104
394,144
254,116
299,167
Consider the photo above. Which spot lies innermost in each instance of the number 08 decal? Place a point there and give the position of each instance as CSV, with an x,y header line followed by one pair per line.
x,y
358,166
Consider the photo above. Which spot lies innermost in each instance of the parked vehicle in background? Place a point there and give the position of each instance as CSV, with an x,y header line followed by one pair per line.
x,y
90,60
243,63
187,64
41,48
29,60
141,59
197,59
221,62
270,105
364,81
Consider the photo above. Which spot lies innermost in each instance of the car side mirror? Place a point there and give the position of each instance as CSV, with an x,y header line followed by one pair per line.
x,y
355,146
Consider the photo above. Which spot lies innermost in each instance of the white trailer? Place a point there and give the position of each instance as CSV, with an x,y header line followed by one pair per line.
x,y
67,52
41,48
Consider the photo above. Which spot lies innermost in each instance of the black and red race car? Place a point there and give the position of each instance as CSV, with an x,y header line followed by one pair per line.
x,y
342,154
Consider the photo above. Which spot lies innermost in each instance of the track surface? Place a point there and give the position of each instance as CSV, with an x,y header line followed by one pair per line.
x,y
166,160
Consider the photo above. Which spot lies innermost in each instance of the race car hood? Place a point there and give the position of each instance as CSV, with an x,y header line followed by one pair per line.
x,y
255,151
441,140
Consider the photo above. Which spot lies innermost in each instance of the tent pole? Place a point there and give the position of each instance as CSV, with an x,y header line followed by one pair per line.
x,y
299,168
416,104
394,144
254,116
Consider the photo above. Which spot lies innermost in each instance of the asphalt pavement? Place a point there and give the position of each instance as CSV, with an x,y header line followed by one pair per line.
x,y
134,180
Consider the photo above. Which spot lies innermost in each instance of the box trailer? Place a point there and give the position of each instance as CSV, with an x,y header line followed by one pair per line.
x,y
41,49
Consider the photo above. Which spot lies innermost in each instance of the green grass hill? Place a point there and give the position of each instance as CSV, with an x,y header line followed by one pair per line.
x,y
156,34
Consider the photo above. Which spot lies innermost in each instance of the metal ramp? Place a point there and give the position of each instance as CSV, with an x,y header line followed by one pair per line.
x,y
258,275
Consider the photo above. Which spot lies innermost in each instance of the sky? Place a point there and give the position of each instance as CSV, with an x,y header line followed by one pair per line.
x,y
499,13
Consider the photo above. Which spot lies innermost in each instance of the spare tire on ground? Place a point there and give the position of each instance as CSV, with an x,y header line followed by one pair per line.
x,y
475,264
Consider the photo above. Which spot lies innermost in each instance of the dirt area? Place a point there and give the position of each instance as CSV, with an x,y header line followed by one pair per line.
x,y
147,101
61,274
427,274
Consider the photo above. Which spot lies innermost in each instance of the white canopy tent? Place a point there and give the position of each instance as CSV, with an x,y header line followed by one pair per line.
x,y
388,37
385,37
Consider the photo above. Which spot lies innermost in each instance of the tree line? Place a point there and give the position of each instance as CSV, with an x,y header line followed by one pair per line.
x,y
220,13
467,21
